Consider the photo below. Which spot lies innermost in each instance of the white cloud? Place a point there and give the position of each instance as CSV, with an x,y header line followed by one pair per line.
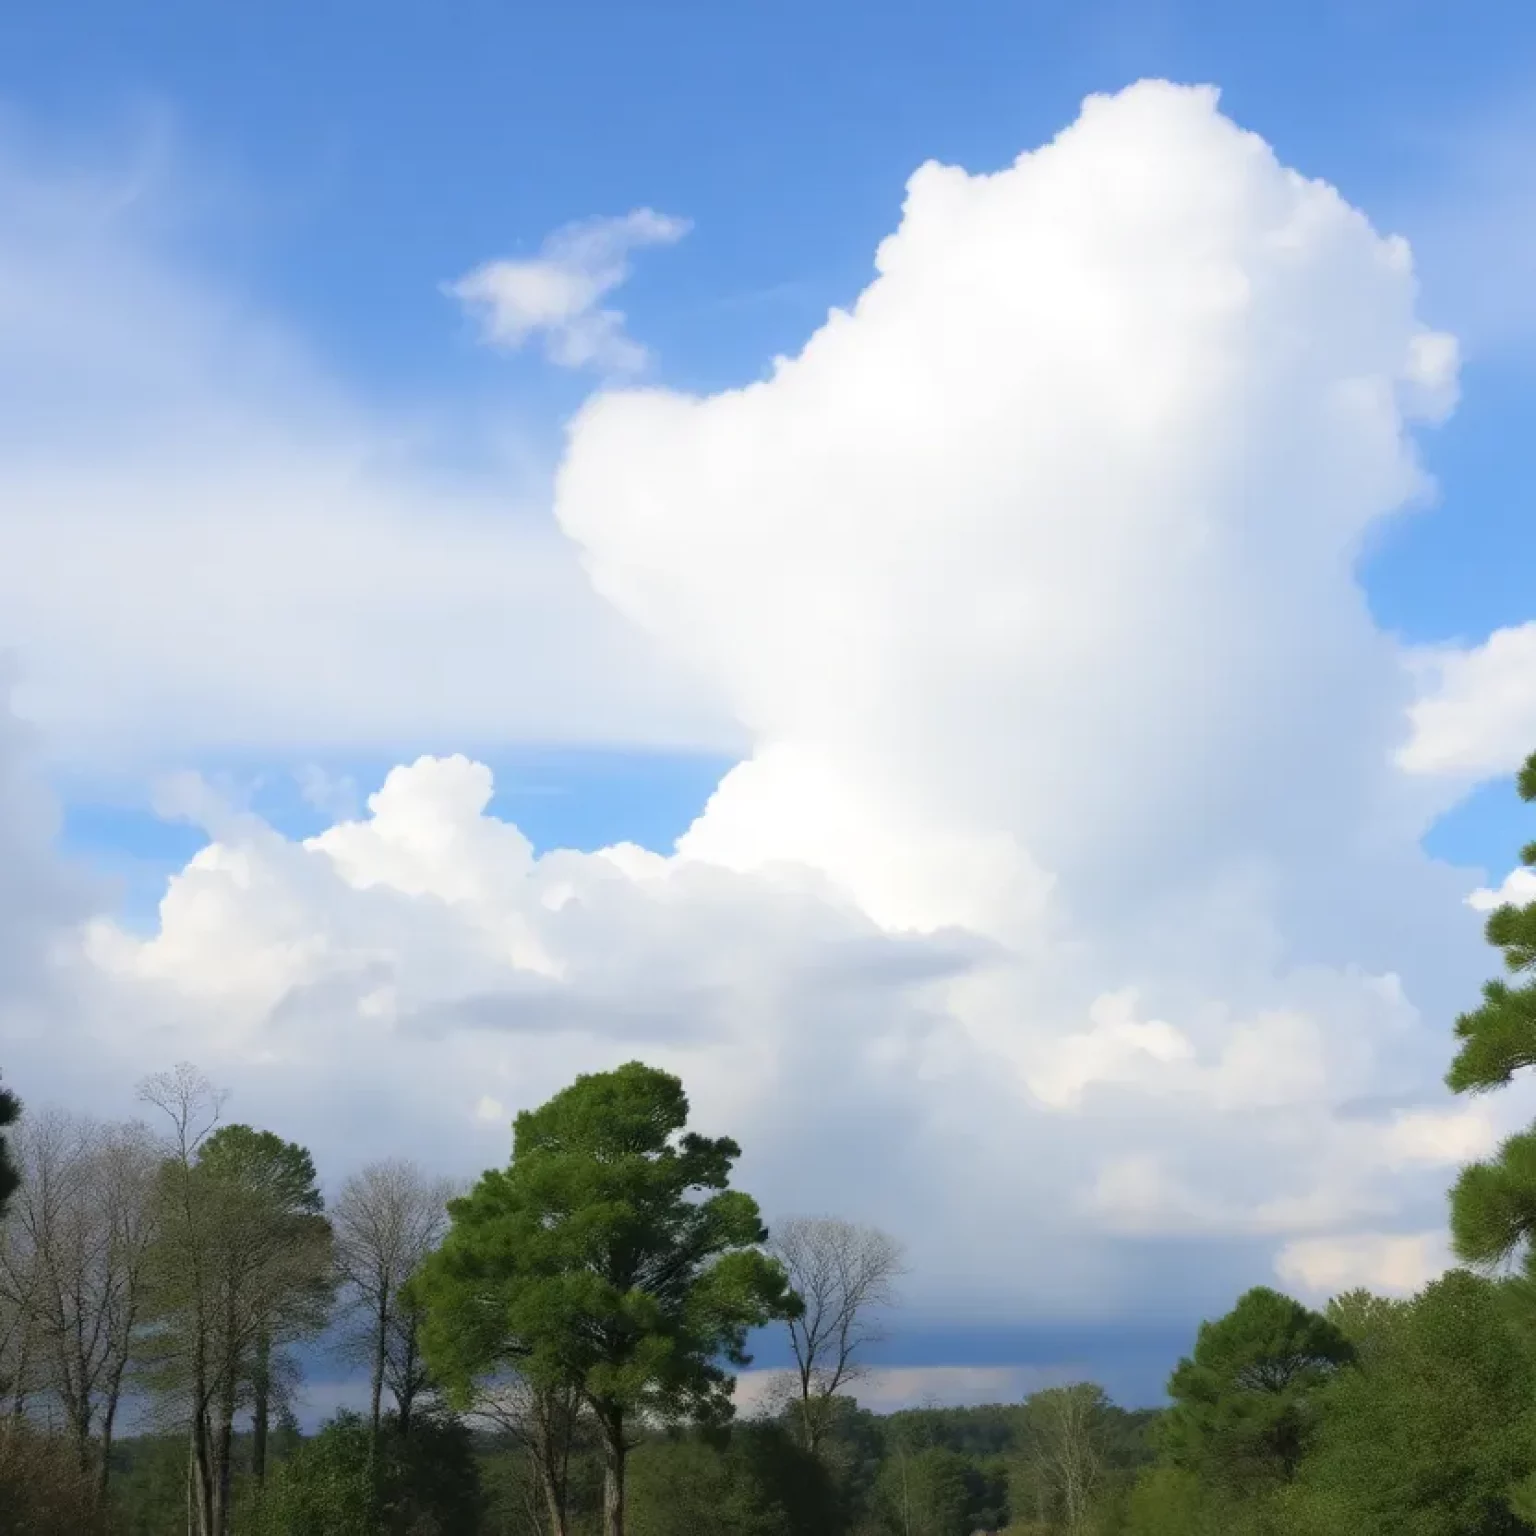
x,y
1117,1045
558,293
1070,899
1442,1139
1477,714
1518,889
1394,1264
209,545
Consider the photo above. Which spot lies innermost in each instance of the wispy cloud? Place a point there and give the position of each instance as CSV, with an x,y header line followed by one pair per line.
x,y
558,294
209,540
1470,214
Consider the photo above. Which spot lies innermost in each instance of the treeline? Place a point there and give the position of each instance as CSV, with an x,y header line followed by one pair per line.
x,y
169,1266
550,1354
555,1350
1374,1417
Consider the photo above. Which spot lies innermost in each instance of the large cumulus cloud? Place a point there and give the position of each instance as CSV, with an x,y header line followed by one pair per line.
x,y
1068,913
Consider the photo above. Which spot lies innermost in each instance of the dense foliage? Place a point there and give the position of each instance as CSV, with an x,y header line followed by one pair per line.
x,y
1493,1206
10,1108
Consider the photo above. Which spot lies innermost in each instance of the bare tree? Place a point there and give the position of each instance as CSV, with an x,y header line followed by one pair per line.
x,y
1065,1427
846,1275
183,1347
20,1375
72,1268
545,1423
387,1219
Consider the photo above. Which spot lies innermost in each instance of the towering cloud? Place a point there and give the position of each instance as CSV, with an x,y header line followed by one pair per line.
x,y
1068,907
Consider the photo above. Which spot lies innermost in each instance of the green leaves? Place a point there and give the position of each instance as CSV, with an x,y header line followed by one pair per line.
x,y
10,1112
1498,1039
426,1481
1429,1437
759,1483
609,1256
1243,1409
1493,1203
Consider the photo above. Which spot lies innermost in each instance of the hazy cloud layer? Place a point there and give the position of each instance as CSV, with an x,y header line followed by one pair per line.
x,y
208,545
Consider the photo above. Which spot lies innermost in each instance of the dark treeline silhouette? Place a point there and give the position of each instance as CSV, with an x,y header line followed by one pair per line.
x,y
554,1351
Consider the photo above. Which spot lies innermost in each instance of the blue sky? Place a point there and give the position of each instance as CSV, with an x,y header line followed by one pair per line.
x,y
327,170
350,160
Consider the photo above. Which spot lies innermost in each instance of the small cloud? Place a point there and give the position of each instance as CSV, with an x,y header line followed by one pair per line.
x,y
1440,1137
490,1111
1476,711
558,293
334,795
1518,889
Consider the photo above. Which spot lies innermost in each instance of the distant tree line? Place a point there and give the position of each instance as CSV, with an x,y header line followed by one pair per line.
x,y
553,1351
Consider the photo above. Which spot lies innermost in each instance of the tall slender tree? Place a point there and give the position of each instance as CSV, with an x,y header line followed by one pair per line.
x,y
180,1347
845,1276
1065,1429
387,1219
1493,1203
610,1256
241,1266
276,1249
74,1265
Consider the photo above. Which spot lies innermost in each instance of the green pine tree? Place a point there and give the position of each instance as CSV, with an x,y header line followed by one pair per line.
x,y
1493,1204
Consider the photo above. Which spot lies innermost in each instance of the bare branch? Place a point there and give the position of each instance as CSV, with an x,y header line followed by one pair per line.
x,y
387,1219
846,1276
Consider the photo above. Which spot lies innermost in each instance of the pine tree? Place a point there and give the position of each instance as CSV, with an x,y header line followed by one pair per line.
x,y
1493,1204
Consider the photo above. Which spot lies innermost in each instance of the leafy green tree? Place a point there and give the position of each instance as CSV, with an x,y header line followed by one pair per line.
x,y
345,1483
1172,1501
1368,1321
1493,1204
610,1255
10,1112
1066,1435
1245,1404
149,1478
928,1492
852,1449
271,1191
240,1265
1432,1433
759,1482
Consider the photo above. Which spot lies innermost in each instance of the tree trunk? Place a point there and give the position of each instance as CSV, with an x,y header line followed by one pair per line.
x,y
199,1469
261,1409
80,1425
807,1413
223,1463
200,1480
405,1389
108,1421
550,1455
558,1522
614,1451
380,1345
